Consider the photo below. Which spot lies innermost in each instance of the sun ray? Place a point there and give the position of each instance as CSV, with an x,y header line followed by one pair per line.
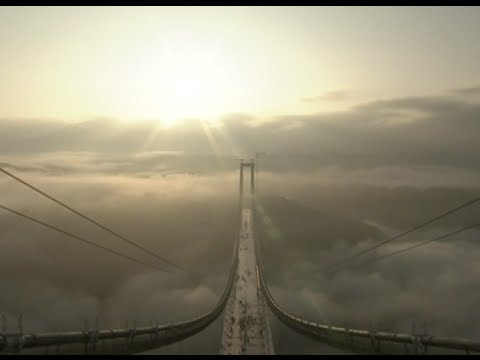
x,y
151,137
213,144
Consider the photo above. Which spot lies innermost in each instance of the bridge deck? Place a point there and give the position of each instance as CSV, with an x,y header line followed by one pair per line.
x,y
246,328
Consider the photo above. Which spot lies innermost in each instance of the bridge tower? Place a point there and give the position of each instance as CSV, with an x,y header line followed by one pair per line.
x,y
246,196
250,164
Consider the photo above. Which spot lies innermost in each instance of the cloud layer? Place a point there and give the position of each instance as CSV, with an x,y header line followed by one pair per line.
x,y
332,184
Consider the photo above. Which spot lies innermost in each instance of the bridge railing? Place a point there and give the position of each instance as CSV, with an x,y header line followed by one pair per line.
x,y
128,340
373,341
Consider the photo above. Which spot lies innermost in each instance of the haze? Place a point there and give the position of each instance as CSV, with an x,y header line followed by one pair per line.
x,y
369,117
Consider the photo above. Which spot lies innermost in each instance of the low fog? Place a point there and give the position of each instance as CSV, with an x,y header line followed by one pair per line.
x,y
331,185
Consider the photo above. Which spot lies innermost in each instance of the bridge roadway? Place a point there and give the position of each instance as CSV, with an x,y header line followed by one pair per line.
x,y
246,329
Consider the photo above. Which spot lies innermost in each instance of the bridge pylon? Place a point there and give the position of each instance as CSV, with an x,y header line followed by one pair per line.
x,y
249,165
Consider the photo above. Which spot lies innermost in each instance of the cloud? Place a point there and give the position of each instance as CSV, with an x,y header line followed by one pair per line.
x,y
472,90
372,170
338,95
180,224
434,131
433,284
192,221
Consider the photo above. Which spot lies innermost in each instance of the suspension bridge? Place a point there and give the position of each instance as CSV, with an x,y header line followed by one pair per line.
x,y
246,304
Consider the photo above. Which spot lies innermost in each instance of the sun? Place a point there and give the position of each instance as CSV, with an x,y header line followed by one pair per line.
x,y
187,89
197,87
171,83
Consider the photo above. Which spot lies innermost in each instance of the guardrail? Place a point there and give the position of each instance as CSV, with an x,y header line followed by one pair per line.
x,y
346,337
129,340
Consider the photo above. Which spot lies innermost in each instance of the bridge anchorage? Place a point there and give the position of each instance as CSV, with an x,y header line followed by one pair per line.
x,y
244,302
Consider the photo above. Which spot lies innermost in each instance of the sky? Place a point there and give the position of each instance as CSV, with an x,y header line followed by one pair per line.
x,y
138,117
167,63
